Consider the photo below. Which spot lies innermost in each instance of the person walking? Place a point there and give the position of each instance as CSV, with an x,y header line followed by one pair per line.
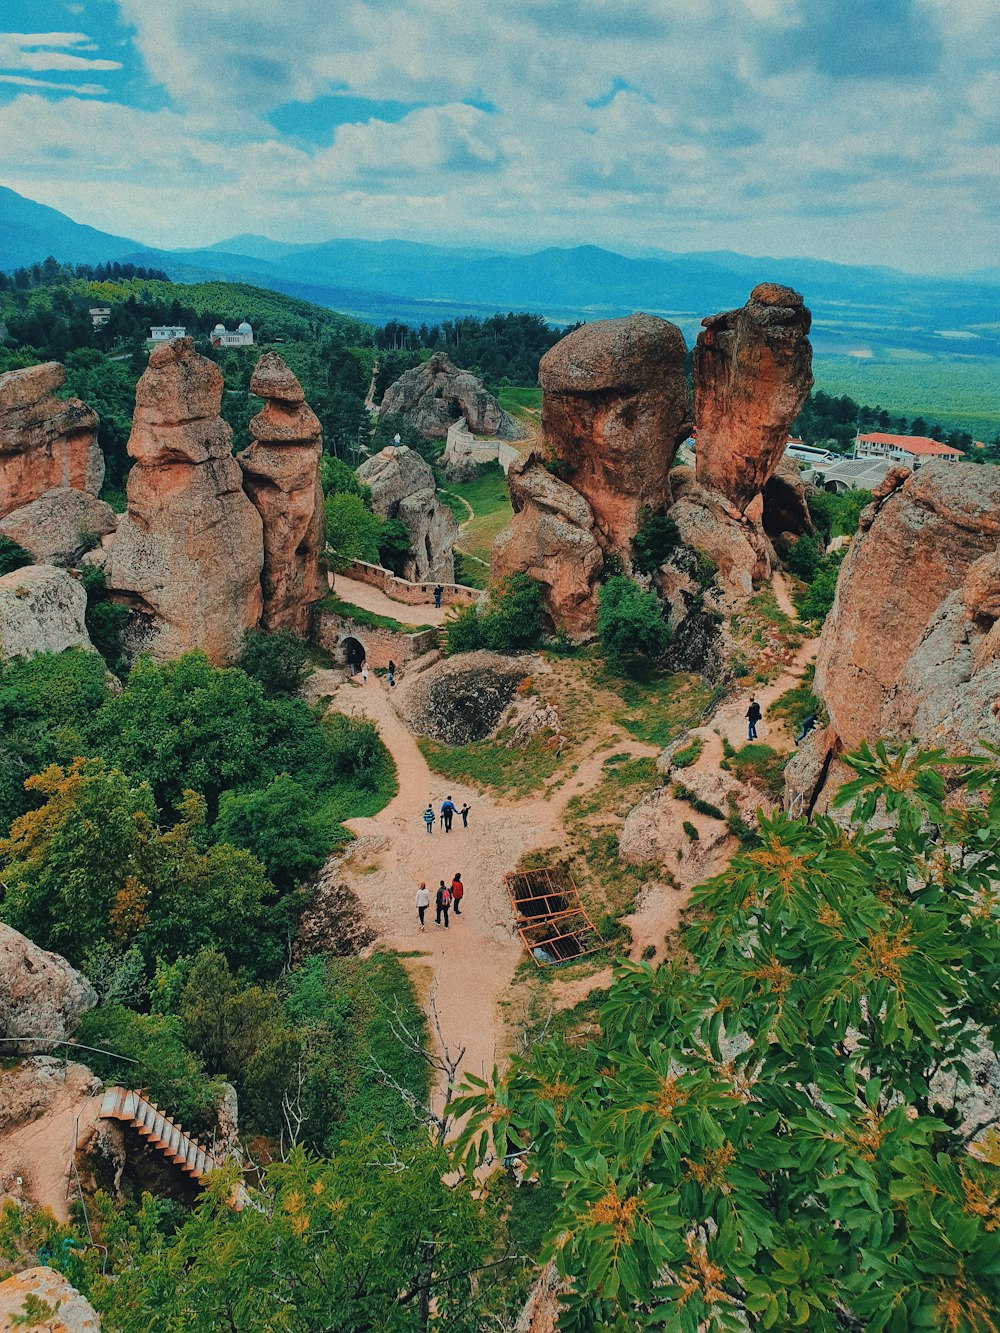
x,y
464,812
808,724
438,594
392,674
423,902
364,672
429,818
753,717
457,893
442,904
447,813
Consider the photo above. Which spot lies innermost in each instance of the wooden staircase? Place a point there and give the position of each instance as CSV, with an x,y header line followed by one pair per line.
x,y
162,1133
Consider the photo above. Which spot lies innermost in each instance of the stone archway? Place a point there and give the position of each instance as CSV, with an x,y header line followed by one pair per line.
x,y
353,651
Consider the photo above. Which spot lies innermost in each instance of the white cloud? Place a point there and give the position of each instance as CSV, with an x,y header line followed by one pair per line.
x,y
22,50
82,89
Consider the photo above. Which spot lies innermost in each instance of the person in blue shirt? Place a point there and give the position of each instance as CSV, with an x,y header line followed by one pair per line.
x,y
448,808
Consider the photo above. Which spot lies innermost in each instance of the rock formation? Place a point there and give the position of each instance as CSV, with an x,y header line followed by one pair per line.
x,y
734,542
73,1313
40,994
281,476
60,526
752,372
434,394
189,551
552,539
402,486
615,407
463,699
911,646
786,515
41,611
45,441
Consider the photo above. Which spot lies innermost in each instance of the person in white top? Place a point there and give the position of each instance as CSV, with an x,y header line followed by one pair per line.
x,y
364,673
423,902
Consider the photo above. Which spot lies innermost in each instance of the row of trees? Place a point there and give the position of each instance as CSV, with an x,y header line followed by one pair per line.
x,y
833,422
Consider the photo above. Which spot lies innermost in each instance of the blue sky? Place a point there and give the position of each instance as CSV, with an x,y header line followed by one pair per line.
x,y
865,131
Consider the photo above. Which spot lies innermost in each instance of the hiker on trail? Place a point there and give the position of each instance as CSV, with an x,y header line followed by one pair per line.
x,y
457,893
429,818
423,902
448,808
438,594
808,724
392,674
753,717
442,904
364,673
464,812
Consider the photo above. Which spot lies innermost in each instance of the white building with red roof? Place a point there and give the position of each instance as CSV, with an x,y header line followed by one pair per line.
x,y
909,449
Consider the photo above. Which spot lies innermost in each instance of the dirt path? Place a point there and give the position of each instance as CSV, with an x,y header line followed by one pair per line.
x,y
370,395
374,599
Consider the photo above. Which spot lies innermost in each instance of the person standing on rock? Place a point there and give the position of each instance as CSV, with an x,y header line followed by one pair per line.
x,y
442,904
753,717
464,812
438,594
429,818
447,813
457,893
808,724
423,902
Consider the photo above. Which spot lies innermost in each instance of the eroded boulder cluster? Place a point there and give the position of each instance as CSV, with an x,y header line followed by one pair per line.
x,y
616,407
433,395
403,487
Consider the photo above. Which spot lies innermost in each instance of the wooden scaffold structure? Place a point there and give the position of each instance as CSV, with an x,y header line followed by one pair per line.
x,y
550,916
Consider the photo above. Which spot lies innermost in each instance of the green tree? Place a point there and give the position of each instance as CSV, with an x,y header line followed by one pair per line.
x,y
352,530
775,1130
630,621
803,560
658,535
277,660
280,827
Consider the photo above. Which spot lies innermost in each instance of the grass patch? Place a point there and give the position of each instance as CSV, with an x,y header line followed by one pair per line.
x,y
370,619
593,822
656,706
487,494
764,638
798,703
688,754
759,766
491,766
681,793
520,400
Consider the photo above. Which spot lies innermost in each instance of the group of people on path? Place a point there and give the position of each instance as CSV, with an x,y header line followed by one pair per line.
x,y
447,899
390,673
448,812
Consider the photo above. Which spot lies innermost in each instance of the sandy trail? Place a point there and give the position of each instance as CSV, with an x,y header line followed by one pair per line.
x,y
375,600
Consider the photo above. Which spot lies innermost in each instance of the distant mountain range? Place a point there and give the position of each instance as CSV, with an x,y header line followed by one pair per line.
x,y
860,312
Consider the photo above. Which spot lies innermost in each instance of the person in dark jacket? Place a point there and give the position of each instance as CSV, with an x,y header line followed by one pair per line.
x,y
447,813
753,717
442,904
808,724
464,812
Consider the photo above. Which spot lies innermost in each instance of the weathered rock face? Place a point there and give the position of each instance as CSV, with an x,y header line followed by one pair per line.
x,y
786,515
402,486
463,698
615,407
189,551
752,372
911,646
41,611
734,542
281,476
45,441
60,525
551,538
74,1314
433,395
40,994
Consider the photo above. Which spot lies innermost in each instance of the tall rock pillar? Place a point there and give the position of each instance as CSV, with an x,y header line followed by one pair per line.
x,y
281,477
189,551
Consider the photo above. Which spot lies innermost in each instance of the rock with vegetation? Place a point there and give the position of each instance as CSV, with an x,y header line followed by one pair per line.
x,y
462,699
43,1298
436,393
402,487
40,994
45,441
752,373
189,551
42,610
736,545
281,476
615,407
60,526
910,646
551,538
786,515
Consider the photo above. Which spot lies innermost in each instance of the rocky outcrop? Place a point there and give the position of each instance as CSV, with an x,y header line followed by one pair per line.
x,y
911,646
786,515
402,487
434,394
72,1312
40,994
60,526
551,538
42,610
752,372
462,699
615,407
734,542
189,551
281,476
45,442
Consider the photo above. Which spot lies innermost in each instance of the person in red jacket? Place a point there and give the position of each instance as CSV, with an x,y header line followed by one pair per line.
x,y
457,893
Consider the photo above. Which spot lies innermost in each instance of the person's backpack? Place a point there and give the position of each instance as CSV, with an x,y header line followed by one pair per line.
x,y
446,898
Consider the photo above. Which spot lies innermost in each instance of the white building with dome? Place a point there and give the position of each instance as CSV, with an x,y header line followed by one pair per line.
x,y
221,336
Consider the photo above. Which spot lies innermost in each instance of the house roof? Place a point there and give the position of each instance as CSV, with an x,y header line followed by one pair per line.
x,y
912,444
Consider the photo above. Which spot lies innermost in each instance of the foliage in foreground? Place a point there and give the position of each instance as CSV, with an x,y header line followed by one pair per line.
x,y
771,1138
630,622
510,622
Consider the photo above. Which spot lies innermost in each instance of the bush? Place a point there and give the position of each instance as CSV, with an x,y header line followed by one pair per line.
x,y
630,622
688,754
815,605
759,766
803,560
13,556
690,831
657,537
276,660
511,622
279,826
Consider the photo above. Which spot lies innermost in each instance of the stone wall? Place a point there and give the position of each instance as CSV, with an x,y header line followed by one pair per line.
x,y
401,590
464,454
381,645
